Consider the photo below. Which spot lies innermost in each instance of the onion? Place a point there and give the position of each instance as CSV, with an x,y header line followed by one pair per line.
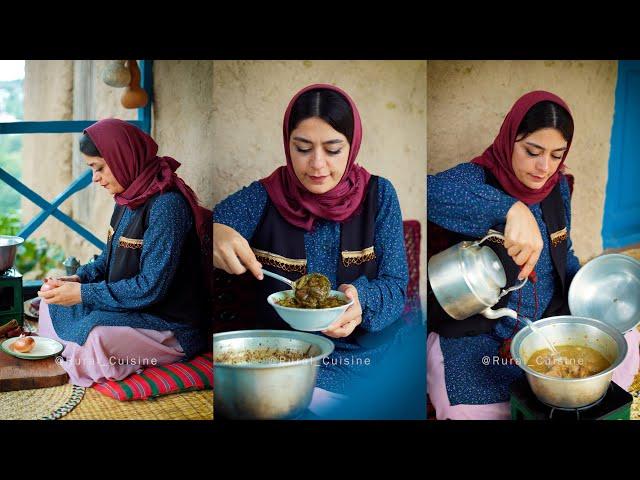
x,y
23,344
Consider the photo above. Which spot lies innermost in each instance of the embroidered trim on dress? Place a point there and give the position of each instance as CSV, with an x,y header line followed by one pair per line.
x,y
110,233
559,236
131,242
283,263
358,257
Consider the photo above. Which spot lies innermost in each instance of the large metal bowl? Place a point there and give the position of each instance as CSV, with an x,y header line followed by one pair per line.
x,y
276,390
608,288
8,247
569,330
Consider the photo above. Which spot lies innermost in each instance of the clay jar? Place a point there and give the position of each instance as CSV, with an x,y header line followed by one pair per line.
x,y
116,74
134,96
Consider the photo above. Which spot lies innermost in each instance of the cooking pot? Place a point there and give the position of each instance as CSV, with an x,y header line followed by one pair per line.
x,y
266,390
576,331
8,247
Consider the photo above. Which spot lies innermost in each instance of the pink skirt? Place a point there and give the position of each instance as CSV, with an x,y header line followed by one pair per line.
x,y
437,389
111,353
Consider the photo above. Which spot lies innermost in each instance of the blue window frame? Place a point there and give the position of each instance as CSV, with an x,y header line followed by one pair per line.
x,y
84,180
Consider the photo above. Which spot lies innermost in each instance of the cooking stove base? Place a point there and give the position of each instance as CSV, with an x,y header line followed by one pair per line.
x,y
614,405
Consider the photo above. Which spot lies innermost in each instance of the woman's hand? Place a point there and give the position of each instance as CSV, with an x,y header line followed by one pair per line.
x,y
522,238
62,293
232,253
350,319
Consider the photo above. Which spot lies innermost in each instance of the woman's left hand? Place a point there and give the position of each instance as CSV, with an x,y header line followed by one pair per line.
x,y
66,294
350,319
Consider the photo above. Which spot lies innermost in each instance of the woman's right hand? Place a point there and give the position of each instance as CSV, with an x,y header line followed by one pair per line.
x,y
232,253
522,238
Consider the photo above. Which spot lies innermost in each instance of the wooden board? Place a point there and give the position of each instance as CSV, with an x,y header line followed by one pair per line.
x,y
19,374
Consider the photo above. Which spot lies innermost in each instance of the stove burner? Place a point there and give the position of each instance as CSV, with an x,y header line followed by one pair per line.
x,y
577,410
9,273
11,300
614,404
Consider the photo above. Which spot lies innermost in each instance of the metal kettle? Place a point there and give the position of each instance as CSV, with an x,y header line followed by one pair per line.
x,y
468,279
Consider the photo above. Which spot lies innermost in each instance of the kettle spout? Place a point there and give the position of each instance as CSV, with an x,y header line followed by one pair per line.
x,y
501,312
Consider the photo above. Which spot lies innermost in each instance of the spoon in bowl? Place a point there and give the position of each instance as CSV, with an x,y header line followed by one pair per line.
x,y
291,283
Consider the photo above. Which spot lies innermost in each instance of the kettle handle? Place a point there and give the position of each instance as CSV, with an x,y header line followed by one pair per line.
x,y
517,286
477,243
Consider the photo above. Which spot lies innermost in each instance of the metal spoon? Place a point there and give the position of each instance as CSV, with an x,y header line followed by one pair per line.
x,y
535,329
291,283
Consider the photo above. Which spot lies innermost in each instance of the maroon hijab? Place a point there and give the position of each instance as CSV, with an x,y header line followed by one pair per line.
x,y
131,155
298,205
497,158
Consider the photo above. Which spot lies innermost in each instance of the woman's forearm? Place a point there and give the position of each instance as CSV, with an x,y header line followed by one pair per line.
x,y
459,200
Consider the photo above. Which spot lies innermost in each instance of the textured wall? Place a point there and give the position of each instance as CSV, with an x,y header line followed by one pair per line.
x,y
183,123
467,102
250,97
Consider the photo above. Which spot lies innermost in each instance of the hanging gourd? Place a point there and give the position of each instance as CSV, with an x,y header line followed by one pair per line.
x,y
115,74
134,96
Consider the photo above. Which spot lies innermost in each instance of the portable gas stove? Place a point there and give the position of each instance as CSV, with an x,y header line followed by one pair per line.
x,y
614,405
11,303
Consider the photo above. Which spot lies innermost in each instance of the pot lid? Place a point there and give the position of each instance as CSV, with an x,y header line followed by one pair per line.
x,y
607,288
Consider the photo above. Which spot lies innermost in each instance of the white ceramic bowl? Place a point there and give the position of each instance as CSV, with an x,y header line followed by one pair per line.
x,y
308,319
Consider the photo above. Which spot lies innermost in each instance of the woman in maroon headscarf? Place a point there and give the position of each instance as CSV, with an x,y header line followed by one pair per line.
x,y
143,301
517,187
322,212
